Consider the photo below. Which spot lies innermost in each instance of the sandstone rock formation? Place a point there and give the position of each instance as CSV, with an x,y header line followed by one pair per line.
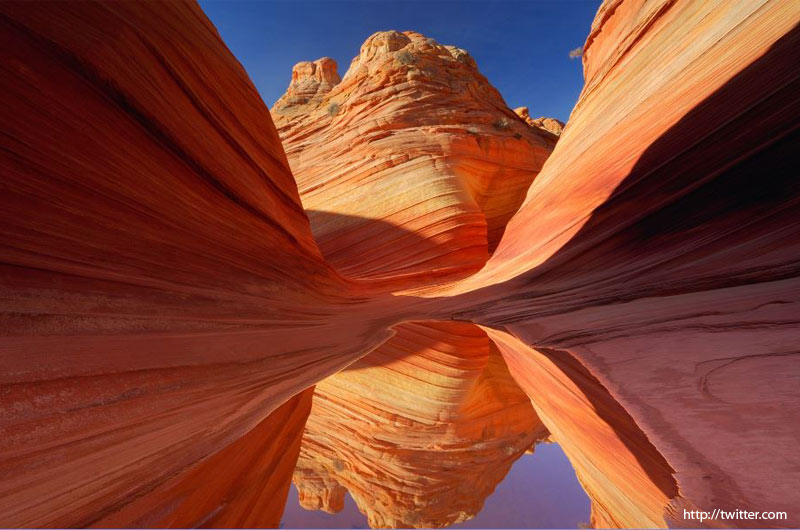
x,y
421,102
670,267
419,431
243,486
411,166
548,124
161,289
311,81
165,308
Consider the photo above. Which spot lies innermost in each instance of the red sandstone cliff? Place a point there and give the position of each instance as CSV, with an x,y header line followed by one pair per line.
x,y
164,303
161,289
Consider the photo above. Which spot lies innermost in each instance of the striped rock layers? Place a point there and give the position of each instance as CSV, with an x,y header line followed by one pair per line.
x,y
660,246
165,306
162,292
419,431
409,167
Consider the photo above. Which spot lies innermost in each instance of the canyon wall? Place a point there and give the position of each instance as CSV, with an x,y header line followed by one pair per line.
x,y
660,244
161,289
165,307
242,486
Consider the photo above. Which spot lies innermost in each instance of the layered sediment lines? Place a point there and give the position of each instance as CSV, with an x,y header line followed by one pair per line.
x,y
411,166
660,244
161,289
242,486
163,295
419,431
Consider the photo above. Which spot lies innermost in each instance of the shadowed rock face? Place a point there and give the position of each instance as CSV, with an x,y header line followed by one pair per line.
x,y
165,307
414,138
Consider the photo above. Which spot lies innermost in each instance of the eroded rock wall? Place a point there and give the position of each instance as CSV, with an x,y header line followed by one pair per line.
x,y
659,244
161,289
411,166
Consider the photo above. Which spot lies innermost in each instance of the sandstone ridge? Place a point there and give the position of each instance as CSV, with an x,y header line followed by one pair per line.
x,y
178,272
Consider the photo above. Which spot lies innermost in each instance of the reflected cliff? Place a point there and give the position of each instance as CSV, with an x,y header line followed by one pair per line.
x,y
419,432
432,430
539,491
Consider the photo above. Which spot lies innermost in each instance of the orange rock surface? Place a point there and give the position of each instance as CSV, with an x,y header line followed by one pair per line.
x,y
161,289
409,167
244,485
419,431
165,306
659,245
548,124
626,478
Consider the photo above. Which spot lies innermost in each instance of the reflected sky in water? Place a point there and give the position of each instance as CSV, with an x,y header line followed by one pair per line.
x,y
540,491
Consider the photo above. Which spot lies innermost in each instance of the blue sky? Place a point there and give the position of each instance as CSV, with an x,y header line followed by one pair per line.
x,y
521,46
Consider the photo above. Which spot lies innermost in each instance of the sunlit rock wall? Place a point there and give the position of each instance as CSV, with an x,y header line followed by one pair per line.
x,y
163,295
409,167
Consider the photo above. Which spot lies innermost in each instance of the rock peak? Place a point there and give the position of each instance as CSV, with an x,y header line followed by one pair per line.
x,y
385,58
410,114
383,42
550,125
311,80
324,70
406,45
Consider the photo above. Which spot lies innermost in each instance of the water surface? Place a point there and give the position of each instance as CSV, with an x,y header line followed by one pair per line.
x,y
540,491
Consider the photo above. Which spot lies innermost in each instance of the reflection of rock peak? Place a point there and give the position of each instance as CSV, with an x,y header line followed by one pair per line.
x,y
419,431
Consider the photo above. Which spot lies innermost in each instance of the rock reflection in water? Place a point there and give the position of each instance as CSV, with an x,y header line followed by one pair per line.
x,y
540,491
419,432
422,430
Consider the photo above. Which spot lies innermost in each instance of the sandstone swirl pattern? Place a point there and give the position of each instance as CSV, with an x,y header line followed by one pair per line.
x,y
166,308
403,165
411,165
419,431
660,246
161,289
